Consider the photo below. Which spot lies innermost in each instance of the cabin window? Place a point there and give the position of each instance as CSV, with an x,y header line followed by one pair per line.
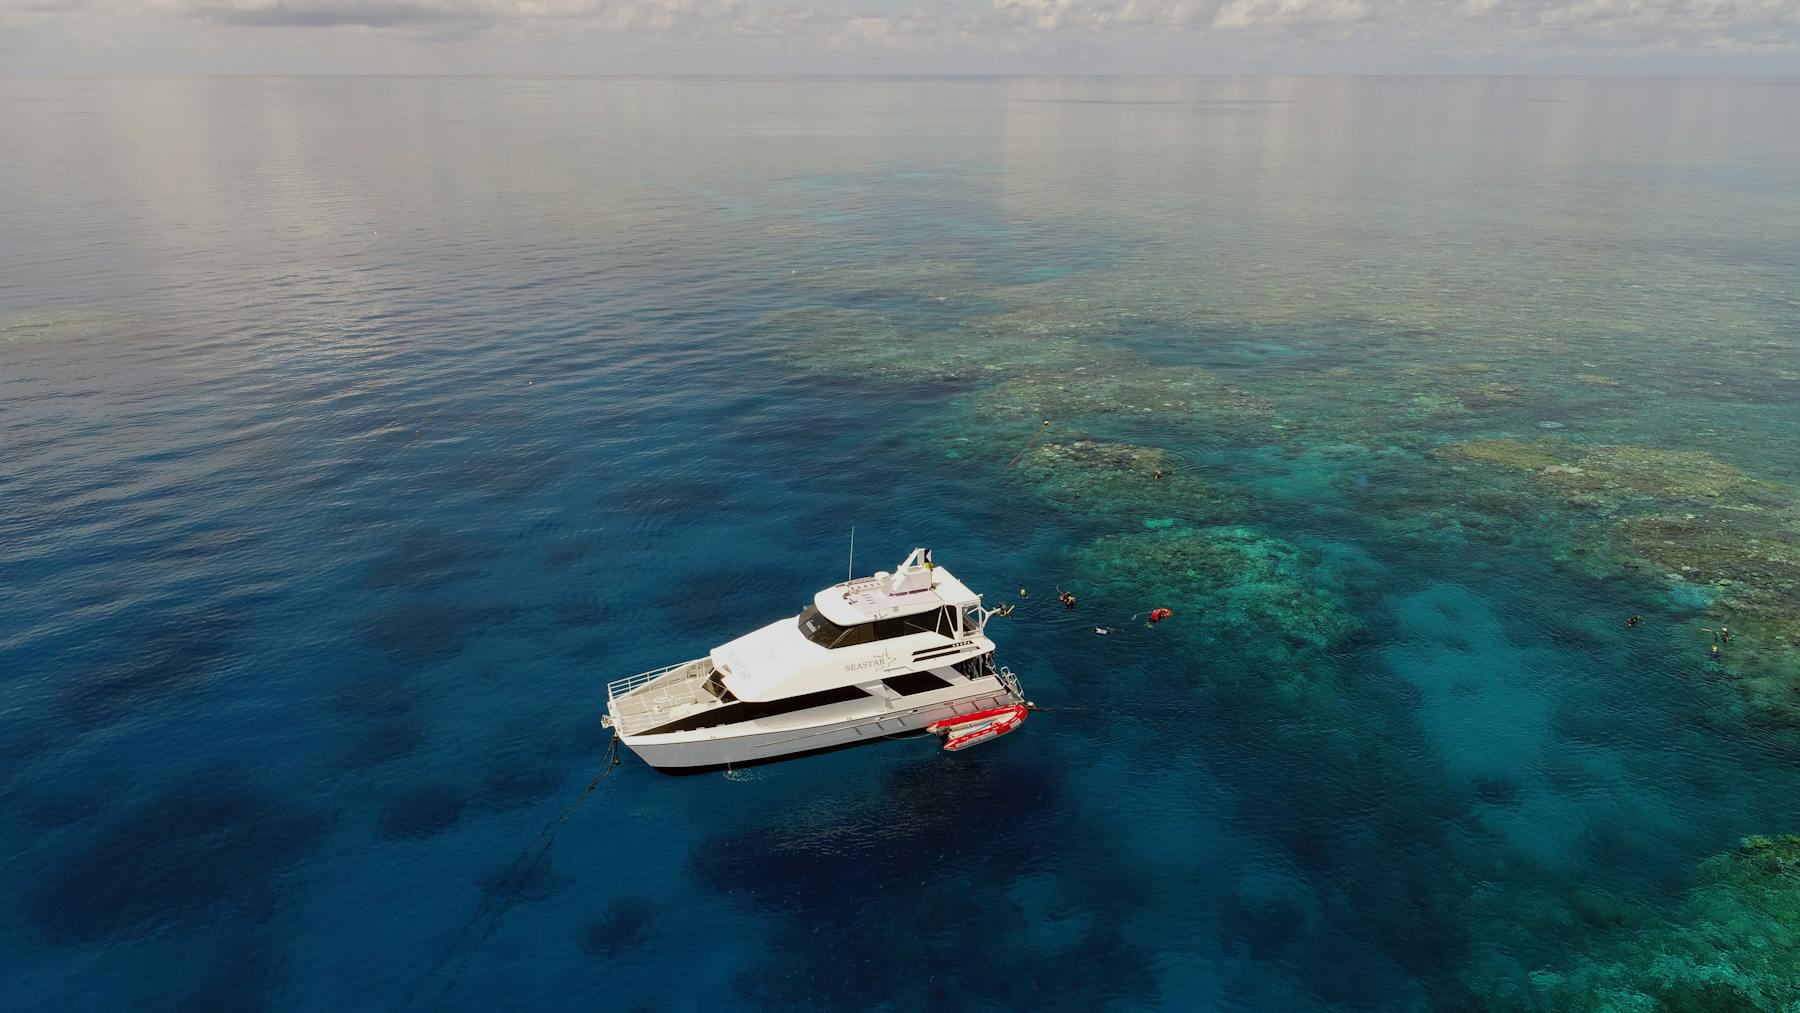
x,y
818,629
822,631
744,710
862,633
935,621
914,682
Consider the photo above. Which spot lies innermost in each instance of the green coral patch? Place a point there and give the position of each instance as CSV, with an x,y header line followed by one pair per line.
x,y
1514,454
1733,944
1697,522
1112,479
1132,389
1234,582
1616,474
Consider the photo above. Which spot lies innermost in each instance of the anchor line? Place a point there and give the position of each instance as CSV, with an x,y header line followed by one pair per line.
x,y
1033,446
529,862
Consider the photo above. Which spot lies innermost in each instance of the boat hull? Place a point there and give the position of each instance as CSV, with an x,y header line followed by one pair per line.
x,y
749,743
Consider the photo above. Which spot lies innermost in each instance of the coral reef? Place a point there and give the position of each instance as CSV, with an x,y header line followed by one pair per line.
x,y
1232,582
1732,944
1723,542
1123,481
1129,388
1743,566
872,345
1616,475
1514,454
1401,453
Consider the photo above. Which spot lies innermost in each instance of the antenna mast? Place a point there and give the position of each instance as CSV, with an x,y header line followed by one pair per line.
x,y
850,570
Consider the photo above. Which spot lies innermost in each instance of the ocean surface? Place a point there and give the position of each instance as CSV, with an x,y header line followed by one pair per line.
x,y
355,432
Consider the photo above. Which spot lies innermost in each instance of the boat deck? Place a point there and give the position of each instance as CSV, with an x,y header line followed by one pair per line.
x,y
654,698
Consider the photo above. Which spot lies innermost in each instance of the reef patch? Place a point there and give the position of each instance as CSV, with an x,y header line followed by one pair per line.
x,y
213,842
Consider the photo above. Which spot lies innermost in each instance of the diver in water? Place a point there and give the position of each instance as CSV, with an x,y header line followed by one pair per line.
x,y
1102,631
1716,654
1067,598
1634,620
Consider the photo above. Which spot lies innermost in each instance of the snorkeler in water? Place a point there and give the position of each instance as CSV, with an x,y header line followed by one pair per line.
x,y
1634,620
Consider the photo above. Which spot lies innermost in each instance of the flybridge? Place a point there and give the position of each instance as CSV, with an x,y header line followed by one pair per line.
x,y
916,586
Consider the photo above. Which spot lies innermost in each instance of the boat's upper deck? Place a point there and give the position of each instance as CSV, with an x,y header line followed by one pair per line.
x,y
916,587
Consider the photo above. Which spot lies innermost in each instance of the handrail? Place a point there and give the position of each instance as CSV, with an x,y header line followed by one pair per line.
x,y
1010,681
619,687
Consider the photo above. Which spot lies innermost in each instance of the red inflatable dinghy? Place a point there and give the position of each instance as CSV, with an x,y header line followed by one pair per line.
x,y
974,729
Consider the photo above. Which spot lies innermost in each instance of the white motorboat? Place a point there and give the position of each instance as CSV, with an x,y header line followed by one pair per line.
x,y
869,659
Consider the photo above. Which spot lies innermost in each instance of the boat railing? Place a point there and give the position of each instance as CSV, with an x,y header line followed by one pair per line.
x,y
619,687
1010,681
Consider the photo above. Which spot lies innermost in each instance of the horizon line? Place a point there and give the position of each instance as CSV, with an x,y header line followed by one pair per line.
x,y
906,75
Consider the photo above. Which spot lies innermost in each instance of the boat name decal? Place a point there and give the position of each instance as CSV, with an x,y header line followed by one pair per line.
x,y
882,660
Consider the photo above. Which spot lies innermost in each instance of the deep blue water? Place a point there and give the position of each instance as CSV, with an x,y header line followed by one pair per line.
x,y
353,433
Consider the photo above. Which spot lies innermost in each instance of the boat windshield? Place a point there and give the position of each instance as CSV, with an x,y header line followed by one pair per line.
x,y
818,629
827,634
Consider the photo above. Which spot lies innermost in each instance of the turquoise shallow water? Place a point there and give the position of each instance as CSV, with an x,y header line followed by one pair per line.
x,y
357,431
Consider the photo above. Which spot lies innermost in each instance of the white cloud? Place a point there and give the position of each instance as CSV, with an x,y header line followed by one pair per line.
x,y
1282,13
1353,32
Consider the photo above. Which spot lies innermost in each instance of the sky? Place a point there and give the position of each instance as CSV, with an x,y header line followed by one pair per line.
x,y
86,37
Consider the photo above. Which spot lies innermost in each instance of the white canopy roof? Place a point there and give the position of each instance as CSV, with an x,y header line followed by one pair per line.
x,y
917,586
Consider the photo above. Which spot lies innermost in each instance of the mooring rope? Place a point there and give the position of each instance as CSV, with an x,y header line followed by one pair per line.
x,y
1033,446
546,837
